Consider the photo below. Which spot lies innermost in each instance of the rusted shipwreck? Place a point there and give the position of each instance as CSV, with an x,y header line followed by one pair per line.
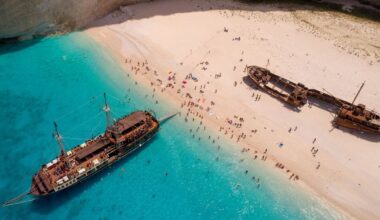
x,y
347,115
278,87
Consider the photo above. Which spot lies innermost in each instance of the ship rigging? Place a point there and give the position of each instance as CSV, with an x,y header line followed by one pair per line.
x,y
121,137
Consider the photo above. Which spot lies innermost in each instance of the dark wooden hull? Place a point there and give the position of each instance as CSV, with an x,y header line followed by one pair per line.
x,y
114,156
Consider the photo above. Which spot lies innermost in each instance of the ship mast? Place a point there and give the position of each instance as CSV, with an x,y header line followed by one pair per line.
x,y
357,94
113,130
58,137
107,110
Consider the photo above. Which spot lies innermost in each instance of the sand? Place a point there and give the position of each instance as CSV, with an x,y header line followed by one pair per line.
x,y
215,40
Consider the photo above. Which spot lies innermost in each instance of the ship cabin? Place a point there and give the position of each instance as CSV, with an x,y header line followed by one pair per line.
x,y
357,117
89,156
123,131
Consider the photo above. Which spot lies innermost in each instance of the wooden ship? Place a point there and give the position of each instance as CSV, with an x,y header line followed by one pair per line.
x,y
348,115
119,140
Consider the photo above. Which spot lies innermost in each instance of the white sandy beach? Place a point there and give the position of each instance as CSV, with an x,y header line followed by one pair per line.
x,y
329,50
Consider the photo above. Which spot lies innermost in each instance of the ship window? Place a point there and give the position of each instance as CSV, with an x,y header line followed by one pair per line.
x,y
138,124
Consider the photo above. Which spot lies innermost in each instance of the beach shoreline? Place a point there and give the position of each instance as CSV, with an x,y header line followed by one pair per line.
x,y
170,57
211,126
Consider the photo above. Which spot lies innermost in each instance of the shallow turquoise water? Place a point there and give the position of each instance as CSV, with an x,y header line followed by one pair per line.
x,y
47,80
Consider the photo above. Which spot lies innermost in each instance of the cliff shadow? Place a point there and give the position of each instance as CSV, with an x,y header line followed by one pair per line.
x,y
368,9
14,45
359,8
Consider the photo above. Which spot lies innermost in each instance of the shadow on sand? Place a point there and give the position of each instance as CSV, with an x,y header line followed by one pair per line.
x,y
119,16
372,137
325,106
333,109
322,105
248,81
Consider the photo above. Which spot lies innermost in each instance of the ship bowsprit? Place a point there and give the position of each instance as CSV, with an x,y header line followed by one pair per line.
x,y
121,138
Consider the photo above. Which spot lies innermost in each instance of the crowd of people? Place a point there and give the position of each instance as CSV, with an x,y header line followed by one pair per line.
x,y
196,103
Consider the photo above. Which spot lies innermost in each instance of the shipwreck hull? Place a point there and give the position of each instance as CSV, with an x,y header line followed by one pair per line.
x,y
278,87
348,115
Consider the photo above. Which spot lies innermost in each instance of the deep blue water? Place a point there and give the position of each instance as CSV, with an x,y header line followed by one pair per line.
x,y
175,176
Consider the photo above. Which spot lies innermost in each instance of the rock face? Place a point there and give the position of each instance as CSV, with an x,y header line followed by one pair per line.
x,y
27,18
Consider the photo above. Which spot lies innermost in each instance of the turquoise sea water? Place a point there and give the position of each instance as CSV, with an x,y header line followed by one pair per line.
x,y
175,176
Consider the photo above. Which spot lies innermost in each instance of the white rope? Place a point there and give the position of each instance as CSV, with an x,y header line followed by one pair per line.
x,y
117,115
126,101
19,203
81,124
117,99
119,109
83,139
73,138
76,109
96,126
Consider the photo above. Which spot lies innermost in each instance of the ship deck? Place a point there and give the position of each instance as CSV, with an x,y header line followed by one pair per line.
x,y
86,156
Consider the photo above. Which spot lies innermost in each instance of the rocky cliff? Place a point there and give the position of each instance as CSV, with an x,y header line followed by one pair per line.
x,y
28,18
23,19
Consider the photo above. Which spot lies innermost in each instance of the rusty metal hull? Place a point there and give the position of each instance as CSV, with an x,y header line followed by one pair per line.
x,y
351,116
278,87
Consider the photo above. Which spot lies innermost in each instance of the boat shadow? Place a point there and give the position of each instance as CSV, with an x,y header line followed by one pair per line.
x,y
322,105
372,137
333,109
49,203
248,81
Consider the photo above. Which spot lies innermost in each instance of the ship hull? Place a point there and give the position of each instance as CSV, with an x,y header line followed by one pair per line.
x,y
122,152
284,90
